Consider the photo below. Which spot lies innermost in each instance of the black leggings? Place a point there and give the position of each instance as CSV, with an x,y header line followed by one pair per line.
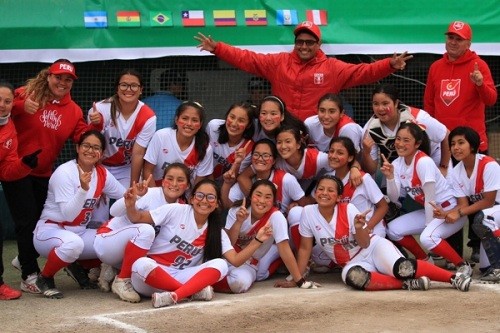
x,y
25,198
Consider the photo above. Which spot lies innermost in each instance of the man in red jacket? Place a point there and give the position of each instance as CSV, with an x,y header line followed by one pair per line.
x,y
459,86
302,76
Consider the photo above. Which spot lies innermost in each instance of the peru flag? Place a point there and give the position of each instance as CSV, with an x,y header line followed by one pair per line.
x,y
317,17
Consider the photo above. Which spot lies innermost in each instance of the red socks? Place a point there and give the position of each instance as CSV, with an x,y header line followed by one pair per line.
x,y
205,277
131,254
383,282
160,279
53,265
410,243
446,251
432,271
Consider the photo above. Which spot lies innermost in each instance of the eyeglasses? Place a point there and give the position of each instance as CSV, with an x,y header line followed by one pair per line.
x,y
87,147
124,86
265,156
200,196
309,42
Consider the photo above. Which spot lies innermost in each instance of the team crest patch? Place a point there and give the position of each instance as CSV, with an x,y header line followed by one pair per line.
x,y
8,144
318,78
450,90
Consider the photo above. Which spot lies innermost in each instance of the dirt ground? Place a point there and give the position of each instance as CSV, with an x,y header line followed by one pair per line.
x,y
334,307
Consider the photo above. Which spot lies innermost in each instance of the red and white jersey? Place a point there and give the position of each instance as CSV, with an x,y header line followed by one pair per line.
x,y
336,237
138,128
314,163
411,178
364,196
64,189
153,199
164,150
346,127
385,137
180,243
484,178
287,190
249,230
223,154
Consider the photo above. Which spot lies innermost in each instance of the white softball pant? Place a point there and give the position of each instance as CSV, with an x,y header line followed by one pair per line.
x,y
69,246
110,246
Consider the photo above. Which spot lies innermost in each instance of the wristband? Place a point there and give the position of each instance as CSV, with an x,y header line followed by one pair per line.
x,y
300,282
355,166
258,240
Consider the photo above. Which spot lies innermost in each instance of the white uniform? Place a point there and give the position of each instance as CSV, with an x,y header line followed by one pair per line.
x,y
240,279
384,137
484,178
411,179
113,236
314,163
347,128
287,190
335,242
364,197
120,139
68,210
164,150
138,128
223,154
178,248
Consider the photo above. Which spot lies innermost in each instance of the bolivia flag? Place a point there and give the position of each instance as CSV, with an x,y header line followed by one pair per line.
x,y
286,17
224,18
95,19
317,17
128,19
193,18
161,19
255,17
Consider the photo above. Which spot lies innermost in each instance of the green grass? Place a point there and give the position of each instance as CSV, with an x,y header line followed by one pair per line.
x,y
11,275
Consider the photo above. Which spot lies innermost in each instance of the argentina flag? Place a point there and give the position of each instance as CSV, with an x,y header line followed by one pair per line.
x,y
95,19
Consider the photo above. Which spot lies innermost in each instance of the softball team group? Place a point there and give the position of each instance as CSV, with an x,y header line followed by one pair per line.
x,y
178,213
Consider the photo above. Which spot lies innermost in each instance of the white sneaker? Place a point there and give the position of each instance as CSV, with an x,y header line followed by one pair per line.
x,y
29,285
166,298
16,264
94,273
206,294
106,276
422,283
461,282
429,259
465,269
123,288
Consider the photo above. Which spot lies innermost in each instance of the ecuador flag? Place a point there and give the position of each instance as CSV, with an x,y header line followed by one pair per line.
x,y
255,17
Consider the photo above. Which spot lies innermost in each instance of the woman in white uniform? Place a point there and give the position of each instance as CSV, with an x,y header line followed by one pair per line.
x,y
415,174
75,187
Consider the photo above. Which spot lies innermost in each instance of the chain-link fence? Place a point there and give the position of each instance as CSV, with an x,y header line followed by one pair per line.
x,y
217,85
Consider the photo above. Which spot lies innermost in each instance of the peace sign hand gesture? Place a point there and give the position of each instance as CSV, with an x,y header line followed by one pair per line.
x,y
387,168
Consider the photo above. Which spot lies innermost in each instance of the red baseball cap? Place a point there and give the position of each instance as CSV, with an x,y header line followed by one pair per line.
x,y
62,67
309,27
461,29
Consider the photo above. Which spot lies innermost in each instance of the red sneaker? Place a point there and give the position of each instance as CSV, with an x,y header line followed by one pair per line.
x,y
7,292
